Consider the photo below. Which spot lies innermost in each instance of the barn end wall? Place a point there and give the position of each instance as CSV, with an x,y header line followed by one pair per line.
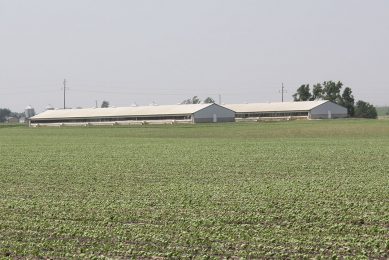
x,y
206,115
322,111
325,116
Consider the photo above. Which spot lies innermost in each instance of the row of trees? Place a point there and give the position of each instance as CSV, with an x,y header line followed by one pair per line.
x,y
330,90
6,113
197,100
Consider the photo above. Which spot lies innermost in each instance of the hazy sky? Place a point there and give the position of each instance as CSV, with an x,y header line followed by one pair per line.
x,y
164,51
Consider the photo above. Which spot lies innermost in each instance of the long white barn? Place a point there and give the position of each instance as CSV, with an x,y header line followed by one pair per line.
x,y
191,113
321,109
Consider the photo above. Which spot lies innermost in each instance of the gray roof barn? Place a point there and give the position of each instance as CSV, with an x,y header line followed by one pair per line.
x,y
191,113
310,109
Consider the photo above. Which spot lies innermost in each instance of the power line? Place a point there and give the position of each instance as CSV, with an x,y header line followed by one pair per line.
x,y
153,93
29,92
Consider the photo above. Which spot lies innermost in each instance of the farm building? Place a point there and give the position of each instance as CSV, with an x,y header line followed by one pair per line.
x,y
192,113
12,120
321,109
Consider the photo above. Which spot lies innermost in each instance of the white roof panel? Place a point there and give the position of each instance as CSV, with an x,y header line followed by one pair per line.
x,y
122,111
275,107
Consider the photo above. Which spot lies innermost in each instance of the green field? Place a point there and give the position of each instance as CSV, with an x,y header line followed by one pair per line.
x,y
256,190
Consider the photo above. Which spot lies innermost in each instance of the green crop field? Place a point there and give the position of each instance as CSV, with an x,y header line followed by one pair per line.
x,y
300,189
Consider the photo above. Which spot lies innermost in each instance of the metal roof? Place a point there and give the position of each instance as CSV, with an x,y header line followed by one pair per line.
x,y
122,111
275,107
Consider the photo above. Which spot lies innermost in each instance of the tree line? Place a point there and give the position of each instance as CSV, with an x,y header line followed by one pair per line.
x,y
5,113
197,100
332,91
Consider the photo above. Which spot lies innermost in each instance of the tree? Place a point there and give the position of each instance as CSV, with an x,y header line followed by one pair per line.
x,y
4,113
365,110
303,93
347,101
193,100
317,92
105,104
331,91
17,115
209,100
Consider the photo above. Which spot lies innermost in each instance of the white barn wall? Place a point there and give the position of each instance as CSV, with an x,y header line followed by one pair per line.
x,y
323,111
206,115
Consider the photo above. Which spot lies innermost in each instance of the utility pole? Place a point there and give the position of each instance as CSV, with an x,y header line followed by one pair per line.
x,y
282,91
64,94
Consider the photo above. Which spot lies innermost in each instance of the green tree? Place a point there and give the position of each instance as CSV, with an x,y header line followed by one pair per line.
x,y
347,101
365,110
303,93
317,92
209,100
331,91
4,113
105,104
193,100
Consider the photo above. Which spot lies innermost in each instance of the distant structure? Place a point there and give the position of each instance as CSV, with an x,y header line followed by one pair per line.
x,y
49,107
189,113
12,120
321,109
164,114
29,112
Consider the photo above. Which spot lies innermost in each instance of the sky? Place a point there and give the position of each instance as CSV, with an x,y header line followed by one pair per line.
x,y
139,52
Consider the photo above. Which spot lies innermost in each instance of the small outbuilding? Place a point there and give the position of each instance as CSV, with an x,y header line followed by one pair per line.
x,y
12,120
191,113
320,109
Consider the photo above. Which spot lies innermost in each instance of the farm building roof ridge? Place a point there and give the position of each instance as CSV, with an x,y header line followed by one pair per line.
x,y
276,106
123,111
